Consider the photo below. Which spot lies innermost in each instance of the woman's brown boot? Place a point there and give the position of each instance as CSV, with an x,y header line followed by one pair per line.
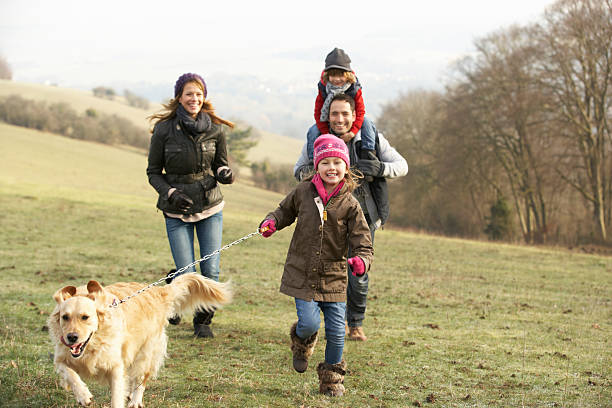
x,y
302,349
331,378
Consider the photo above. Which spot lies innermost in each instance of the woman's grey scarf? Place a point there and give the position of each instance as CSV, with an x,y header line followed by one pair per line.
x,y
332,91
193,126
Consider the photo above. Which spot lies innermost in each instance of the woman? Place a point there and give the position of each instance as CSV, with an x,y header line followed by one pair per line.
x,y
187,158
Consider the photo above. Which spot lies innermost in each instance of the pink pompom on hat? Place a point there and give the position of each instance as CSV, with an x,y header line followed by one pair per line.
x,y
330,146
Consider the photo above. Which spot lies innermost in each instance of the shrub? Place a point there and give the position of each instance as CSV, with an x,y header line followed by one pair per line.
x,y
499,224
62,119
277,178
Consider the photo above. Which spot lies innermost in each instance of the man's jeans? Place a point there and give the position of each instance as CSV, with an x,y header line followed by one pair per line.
x,y
357,292
309,321
180,236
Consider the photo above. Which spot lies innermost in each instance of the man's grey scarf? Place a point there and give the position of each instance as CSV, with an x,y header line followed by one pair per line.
x,y
332,91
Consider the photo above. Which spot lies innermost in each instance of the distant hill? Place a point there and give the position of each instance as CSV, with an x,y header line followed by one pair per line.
x,y
45,163
79,100
278,148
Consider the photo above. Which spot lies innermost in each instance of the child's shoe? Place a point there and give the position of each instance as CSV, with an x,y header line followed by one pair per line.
x,y
302,349
331,378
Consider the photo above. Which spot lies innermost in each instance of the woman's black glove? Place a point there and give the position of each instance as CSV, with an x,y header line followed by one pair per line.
x,y
180,200
225,176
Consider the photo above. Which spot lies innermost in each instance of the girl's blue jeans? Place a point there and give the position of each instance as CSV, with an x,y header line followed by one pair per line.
x,y
309,321
180,236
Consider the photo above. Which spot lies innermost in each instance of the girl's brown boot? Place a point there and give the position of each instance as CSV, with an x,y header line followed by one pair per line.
x,y
331,378
302,349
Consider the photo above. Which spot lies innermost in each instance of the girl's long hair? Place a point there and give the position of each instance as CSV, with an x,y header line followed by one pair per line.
x,y
352,179
170,108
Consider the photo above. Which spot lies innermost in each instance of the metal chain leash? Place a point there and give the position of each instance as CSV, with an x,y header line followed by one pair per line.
x,y
116,302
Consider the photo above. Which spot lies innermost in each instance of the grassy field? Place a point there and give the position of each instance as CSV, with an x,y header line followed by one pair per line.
x,y
451,323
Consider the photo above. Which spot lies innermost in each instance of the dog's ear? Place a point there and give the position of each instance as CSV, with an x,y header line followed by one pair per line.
x,y
64,293
100,296
93,287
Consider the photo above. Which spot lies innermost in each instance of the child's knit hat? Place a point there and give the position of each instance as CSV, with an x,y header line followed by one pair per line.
x,y
330,146
188,77
338,59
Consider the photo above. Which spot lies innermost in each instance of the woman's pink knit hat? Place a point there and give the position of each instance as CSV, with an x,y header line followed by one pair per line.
x,y
330,146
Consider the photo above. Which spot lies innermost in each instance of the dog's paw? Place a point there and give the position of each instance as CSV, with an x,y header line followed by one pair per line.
x,y
135,398
84,397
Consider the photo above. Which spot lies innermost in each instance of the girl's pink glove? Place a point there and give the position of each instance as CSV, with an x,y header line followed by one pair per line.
x,y
267,228
357,265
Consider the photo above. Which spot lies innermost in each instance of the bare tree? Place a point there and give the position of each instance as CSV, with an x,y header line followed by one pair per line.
x,y
438,193
577,38
5,69
508,121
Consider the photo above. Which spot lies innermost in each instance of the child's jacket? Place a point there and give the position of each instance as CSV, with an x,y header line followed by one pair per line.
x,y
316,266
354,91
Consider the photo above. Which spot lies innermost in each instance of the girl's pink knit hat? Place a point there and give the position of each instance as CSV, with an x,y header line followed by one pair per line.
x,y
330,146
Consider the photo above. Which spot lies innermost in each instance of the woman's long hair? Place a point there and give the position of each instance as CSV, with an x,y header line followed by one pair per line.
x,y
170,108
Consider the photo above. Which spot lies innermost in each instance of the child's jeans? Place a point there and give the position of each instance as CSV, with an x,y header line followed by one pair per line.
x,y
309,321
368,137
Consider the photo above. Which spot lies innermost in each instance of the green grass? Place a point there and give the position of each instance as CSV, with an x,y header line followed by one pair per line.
x,y
451,323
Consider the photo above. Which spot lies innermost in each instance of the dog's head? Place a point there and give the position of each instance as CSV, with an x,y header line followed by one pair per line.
x,y
78,314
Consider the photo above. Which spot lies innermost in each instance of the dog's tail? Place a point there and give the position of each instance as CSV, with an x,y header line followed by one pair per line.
x,y
192,291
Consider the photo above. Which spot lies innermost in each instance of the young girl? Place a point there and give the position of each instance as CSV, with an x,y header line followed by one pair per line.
x,y
329,221
337,77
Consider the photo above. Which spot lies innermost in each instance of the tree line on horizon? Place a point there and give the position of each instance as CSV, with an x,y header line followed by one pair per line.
x,y
518,145
91,125
60,118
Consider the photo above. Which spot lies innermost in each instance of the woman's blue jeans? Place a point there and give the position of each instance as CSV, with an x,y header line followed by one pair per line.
x,y
309,321
180,236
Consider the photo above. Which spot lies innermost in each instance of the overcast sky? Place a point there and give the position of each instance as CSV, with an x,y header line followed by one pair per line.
x,y
87,43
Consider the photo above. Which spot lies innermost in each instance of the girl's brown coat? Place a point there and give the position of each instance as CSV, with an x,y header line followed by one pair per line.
x,y
316,265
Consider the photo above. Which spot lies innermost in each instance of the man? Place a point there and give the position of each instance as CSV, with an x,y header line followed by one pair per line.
x,y
372,194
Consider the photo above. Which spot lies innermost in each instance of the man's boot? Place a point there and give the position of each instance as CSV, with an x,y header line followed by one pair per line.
x,y
302,349
201,323
331,378
357,334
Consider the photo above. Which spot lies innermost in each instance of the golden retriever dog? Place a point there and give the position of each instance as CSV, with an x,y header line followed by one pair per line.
x,y
122,346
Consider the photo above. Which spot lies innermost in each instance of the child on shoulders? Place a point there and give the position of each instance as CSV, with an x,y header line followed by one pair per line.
x,y
338,77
